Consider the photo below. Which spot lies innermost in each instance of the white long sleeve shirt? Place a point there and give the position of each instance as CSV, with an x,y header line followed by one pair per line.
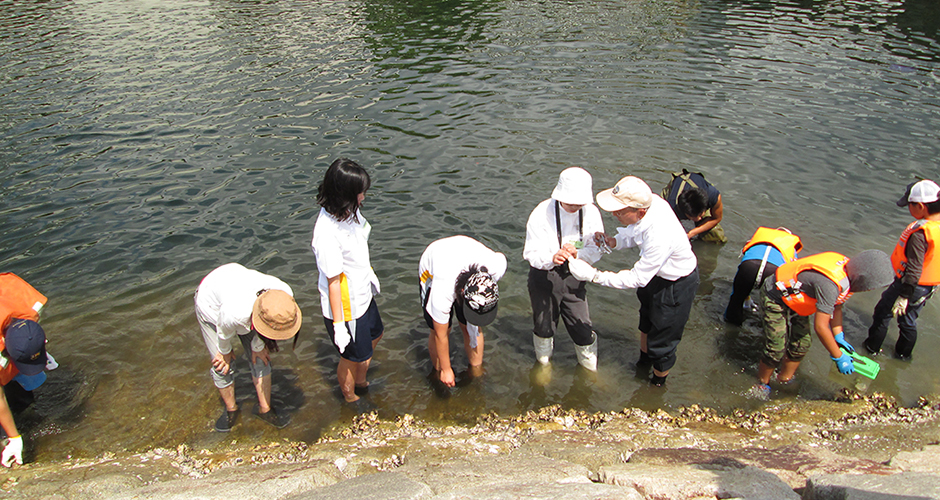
x,y
541,234
225,299
665,250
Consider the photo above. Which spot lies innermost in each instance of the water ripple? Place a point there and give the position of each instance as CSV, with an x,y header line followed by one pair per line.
x,y
142,145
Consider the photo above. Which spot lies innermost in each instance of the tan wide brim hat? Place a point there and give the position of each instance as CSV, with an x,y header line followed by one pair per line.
x,y
276,315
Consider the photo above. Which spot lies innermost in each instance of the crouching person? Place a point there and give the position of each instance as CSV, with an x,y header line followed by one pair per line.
x,y
815,285
234,301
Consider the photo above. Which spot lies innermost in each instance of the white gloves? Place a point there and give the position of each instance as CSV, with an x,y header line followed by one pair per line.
x,y
50,362
341,336
13,451
900,307
582,270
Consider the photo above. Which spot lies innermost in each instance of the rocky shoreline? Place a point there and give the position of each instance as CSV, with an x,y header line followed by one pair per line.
x,y
855,447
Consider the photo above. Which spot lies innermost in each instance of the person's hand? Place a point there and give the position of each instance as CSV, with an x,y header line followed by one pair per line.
x,y
341,336
263,355
560,257
221,363
602,240
900,307
844,363
13,451
840,339
571,250
447,377
582,270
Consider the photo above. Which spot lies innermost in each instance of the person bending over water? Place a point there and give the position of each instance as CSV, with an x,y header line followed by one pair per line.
x,y
457,277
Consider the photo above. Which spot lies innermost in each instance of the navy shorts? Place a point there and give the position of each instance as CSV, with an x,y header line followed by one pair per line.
x,y
368,328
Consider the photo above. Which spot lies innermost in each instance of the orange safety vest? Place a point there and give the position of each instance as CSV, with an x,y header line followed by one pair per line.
x,y
786,242
829,264
18,299
930,275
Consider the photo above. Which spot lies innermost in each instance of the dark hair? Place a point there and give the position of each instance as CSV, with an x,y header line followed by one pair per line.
x,y
692,202
933,207
271,344
342,184
464,277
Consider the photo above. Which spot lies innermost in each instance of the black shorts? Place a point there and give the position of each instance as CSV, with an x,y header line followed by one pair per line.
x,y
455,310
368,328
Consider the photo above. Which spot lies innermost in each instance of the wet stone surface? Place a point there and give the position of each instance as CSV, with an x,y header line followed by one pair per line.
x,y
612,454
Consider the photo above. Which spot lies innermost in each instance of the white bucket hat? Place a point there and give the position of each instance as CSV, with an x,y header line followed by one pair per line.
x,y
574,187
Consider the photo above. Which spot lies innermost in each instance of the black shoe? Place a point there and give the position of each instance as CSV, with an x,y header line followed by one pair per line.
x,y
902,357
361,406
361,390
657,381
226,421
271,417
873,352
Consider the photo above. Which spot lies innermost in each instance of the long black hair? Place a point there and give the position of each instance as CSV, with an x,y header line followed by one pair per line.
x,y
342,184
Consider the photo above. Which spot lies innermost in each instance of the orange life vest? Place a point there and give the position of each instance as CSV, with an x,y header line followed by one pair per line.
x,y
931,271
786,242
829,264
18,299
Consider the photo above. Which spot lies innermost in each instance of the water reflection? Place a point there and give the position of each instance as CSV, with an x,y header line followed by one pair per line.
x,y
920,17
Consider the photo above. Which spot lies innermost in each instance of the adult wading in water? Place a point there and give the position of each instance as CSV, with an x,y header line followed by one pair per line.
x,y
560,227
666,276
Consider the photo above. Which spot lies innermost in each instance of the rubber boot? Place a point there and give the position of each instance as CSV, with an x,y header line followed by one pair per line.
x,y
587,355
543,348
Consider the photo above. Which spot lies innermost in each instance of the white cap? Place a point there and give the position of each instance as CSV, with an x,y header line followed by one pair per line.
x,y
574,187
629,192
925,191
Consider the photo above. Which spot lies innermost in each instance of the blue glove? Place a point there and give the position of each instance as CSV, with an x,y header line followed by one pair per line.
x,y
844,363
840,339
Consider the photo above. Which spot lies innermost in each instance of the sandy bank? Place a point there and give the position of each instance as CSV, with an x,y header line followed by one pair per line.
x,y
548,453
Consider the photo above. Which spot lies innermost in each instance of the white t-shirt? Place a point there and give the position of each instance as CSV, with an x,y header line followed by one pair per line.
x,y
225,298
665,250
541,234
441,263
342,248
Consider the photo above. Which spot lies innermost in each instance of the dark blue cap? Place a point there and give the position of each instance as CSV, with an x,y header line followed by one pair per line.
x,y
26,346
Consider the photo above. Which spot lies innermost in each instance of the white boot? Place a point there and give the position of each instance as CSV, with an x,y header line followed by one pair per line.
x,y
543,348
587,355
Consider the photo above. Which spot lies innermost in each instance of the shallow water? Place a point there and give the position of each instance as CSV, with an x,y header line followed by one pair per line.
x,y
145,143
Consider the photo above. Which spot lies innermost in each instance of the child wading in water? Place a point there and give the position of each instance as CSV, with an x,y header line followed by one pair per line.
x,y
347,283
917,268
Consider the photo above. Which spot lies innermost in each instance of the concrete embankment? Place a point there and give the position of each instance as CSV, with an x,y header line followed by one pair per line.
x,y
855,448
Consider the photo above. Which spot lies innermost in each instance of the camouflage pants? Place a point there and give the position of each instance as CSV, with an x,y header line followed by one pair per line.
x,y
785,332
